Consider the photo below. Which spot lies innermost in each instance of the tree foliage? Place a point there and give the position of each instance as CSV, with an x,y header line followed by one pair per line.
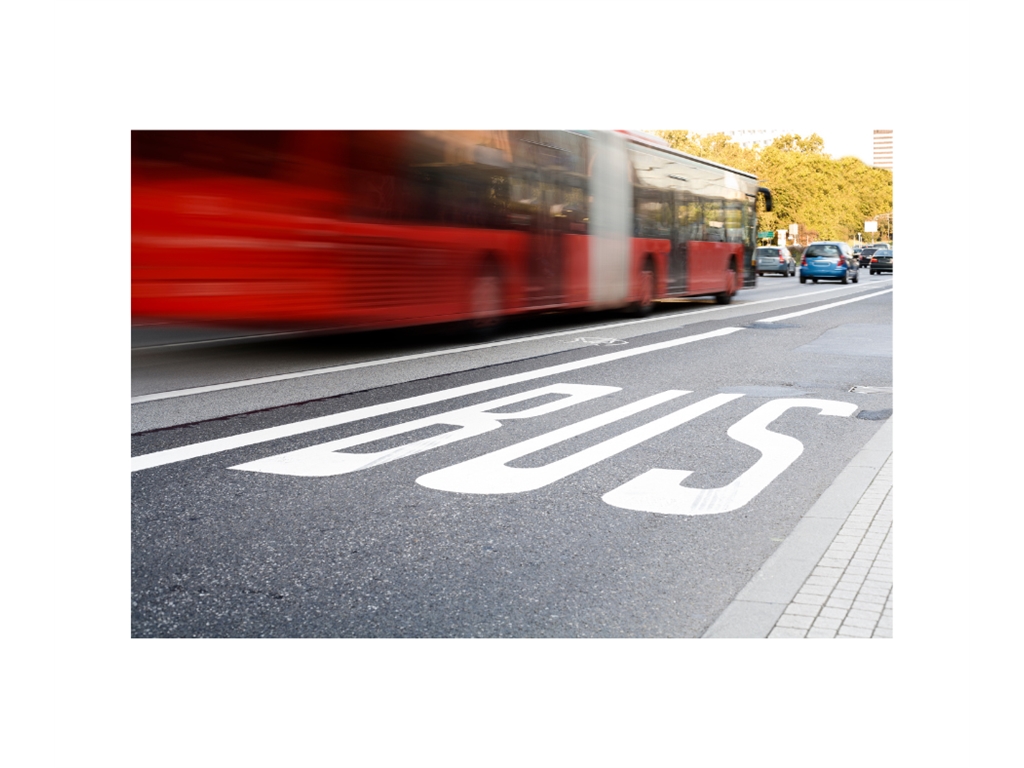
x,y
823,195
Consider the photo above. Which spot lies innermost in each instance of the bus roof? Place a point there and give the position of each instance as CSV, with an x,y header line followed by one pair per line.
x,y
656,142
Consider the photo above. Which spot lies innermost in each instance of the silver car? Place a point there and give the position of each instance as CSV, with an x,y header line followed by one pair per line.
x,y
776,259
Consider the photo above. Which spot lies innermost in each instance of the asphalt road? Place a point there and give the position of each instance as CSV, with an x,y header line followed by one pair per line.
x,y
560,513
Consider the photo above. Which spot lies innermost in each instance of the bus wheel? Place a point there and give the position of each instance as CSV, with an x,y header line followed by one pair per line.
x,y
726,296
485,302
645,304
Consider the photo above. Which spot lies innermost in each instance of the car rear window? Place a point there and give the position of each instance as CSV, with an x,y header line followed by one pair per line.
x,y
826,251
766,252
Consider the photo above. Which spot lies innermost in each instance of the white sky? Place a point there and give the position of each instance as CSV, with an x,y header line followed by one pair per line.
x,y
841,139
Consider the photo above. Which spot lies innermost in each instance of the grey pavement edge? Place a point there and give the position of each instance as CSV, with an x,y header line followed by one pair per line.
x,y
759,605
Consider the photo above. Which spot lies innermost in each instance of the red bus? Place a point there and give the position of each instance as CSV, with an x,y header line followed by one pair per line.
x,y
377,229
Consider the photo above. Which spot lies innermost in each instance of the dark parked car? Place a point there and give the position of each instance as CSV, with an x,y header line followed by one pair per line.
x,y
881,261
775,258
828,260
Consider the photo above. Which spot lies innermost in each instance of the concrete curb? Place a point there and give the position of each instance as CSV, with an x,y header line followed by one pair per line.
x,y
760,604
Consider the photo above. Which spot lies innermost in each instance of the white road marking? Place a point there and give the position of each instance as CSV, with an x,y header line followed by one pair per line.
x,y
597,341
223,339
328,459
659,490
437,353
819,309
489,474
182,453
172,455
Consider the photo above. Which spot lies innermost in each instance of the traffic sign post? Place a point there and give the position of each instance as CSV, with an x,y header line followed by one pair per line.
x,y
871,226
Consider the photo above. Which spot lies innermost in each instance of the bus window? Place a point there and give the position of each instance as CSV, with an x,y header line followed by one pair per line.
x,y
734,221
690,220
653,213
714,221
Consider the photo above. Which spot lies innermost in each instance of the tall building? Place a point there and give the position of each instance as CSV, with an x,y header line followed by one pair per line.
x,y
883,149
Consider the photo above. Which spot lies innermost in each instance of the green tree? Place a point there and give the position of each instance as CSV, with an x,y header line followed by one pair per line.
x,y
810,188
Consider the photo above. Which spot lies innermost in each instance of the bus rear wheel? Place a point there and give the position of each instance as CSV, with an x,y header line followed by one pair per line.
x,y
644,305
486,303
725,297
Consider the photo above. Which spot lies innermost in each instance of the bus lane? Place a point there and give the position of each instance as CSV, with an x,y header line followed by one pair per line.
x,y
609,493
180,385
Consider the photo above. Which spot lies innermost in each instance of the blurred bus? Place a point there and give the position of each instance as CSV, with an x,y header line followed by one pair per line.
x,y
378,229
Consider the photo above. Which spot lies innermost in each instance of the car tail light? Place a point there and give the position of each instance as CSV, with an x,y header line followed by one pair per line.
x,y
803,262
874,260
842,262
782,259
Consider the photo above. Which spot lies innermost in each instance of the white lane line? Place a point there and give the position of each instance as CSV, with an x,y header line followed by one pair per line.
x,y
172,455
422,355
222,339
819,309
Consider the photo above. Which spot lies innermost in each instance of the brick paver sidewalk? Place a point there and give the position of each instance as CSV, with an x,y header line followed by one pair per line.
x,y
849,592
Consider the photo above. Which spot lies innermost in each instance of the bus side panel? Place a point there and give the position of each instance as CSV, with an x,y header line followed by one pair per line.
x,y
657,250
223,251
398,275
708,266
212,282
576,250
300,270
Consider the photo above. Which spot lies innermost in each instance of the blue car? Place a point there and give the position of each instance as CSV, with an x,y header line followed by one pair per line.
x,y
828,260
